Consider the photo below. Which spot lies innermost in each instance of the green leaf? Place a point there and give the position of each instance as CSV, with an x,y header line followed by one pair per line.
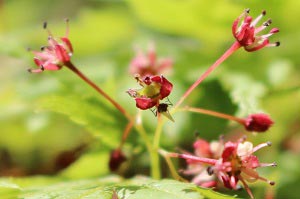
x,y
9,190
139,187
85,166
95,116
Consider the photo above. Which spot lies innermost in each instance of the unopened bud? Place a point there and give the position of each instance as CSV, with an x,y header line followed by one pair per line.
x,y
258,122
116,159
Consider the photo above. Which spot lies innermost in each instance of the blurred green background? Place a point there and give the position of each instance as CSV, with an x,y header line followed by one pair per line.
x,y
50,120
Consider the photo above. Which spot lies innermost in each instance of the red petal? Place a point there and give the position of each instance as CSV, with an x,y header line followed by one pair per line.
x,y
257,47
37,61
230,149
51,66
61,54
145,103
166,88
202,148
67,43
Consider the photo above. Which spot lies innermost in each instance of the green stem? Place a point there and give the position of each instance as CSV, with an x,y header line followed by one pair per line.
x,y
171,166
154,159
156,142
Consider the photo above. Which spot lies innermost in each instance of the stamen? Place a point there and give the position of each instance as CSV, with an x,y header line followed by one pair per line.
x,y
222,139
273,164
276,44
260,28
266,180
247,10
43,48
261,146
194,158
45,25
197,134
246,187
42,68
272,183
242,139
30,70
264,12
254,22
267,23
67,28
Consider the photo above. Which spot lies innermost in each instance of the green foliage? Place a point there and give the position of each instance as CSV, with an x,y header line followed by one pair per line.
x,y
9,190
95,116
139,187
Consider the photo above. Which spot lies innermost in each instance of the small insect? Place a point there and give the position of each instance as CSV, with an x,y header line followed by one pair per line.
x,y
162,108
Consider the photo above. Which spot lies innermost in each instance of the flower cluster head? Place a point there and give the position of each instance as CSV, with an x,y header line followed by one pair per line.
x,y
154,89
204,149
247,34
235,163
144,64
259,122
55,55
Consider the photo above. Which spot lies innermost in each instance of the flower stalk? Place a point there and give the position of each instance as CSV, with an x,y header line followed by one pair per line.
x,y
72,67
234,47
214,114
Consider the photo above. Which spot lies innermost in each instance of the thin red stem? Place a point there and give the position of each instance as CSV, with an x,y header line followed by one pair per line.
x,y
215,114
98,89
126,132
193,158
231,50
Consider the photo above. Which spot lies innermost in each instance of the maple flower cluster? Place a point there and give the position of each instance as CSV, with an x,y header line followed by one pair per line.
x,y
228,162
148,63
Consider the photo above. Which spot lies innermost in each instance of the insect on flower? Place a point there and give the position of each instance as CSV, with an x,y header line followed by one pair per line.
x,y
154,89
162,108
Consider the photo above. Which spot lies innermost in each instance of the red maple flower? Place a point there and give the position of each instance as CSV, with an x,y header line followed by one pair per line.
x,y
236,163
144,64
239,164
55,55
155,88
247,34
